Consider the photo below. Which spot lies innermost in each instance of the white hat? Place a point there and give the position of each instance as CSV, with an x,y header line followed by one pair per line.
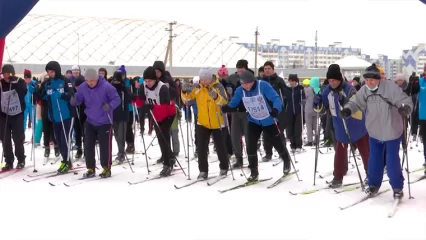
x,y
75,68
400,76
196,79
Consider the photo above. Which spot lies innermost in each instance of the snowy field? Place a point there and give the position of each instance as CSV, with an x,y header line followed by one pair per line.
x,y
112,209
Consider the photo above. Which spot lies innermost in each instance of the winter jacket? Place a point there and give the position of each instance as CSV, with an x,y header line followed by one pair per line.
x,y
166,108
309,105
17,84
130,88
268,93
121,113
29,100
278,84
139,102
165,79
209,113
422,98
175,124
95,98
355,123
294,97
382,118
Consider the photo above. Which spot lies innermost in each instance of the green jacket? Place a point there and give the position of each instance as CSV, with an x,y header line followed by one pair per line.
x,y
178,116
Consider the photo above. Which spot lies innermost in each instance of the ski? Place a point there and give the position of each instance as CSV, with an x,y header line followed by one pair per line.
x,y
216,180
394,207
48,173
281,179
192,183
347,189
419,179
79,181
363,199
327,174
307,192
56,174
9,173
246,184
419,169
148,179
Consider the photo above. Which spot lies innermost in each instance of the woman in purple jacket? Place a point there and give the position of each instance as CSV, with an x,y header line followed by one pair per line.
x,y
101,99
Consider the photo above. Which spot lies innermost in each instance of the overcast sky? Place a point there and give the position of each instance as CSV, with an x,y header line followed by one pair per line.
x,y
376,26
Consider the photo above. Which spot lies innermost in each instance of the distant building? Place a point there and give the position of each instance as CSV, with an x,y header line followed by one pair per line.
x,y
414,60
298,55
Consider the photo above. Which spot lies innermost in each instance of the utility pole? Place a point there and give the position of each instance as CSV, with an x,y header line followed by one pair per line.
x,y
316,49
256,34
169,50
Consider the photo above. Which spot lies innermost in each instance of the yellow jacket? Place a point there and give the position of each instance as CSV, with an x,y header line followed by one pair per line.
x,y
209,112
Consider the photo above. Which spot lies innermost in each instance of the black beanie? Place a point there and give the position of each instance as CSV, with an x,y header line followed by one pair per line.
x,y
7,68
293,77
242,63
269,63
372,72
149,73
118,76
334,72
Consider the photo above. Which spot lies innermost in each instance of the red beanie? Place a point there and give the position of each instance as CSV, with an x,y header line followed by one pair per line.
x,y
222,71
27,73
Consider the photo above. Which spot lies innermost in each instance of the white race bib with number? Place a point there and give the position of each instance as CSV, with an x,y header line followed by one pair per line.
x,y
10,103
256,106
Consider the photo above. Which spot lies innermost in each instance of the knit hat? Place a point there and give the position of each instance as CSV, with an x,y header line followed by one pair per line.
x,y
27,73
400,76
222,70
122,69
269,63
91,74
372,72
247,77
306,81
334,72
149,73
68,71
75,68
293,77
261,69
8,68
118,76
242,64
206,72
356,79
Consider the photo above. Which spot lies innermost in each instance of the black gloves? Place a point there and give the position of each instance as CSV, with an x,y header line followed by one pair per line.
x,y
274,113
345,113
148,106
404,110
228,109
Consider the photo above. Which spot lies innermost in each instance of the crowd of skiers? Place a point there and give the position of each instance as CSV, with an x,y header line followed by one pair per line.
x,y
370,116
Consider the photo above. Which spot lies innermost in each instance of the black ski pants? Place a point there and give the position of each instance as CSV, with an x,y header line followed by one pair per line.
x,y
163,137
294,130
142,116
271,132
267,142
119,134
203,147
104,134
63,138
48,133
12,127
130,136
79,128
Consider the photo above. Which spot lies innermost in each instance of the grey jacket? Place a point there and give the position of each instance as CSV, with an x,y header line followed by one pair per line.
x,y
309,105
382,119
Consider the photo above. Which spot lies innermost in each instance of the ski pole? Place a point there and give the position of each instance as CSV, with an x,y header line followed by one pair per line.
x,y
221,132
316,146
187,135
33,138
130,165
146,156
5,125
405,156
66,136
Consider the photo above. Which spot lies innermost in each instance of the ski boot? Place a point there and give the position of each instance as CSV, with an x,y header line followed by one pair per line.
x,y
309,144
335,183
20,165
366,181
202,176
371,191
167,171
254,175
120,158
160,160
47,152
287,167
398,194
267,158
90,173
8,166
130,148
57,152
106,173
64,167
238,163
223,172
79,154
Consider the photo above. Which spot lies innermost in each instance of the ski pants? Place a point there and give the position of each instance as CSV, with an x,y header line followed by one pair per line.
x,y
268,142
423,135
28,113
63,138
341,156
203,147
48,133
103,134
195,133
12,128
142,117
120,136
329,129
311,125
79,129
227,137
38,131
380,150
271,132
238,130
294,130
130,136
415,119
163,138
175,140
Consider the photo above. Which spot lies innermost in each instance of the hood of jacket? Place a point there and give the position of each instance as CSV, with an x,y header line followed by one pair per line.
x,y
160,66
315,84
53,65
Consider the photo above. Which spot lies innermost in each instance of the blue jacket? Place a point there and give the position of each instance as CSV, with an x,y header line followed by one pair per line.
x,y
422,99
56,91
355,123
294,97
269,94
131,88
29,95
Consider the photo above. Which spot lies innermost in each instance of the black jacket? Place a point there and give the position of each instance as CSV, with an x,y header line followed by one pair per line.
x,y
121,113
17,84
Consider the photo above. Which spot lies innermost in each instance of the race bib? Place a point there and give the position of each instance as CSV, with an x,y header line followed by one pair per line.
x,y
10,103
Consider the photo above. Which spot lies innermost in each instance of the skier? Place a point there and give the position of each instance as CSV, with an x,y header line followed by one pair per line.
x,y
79,121
100,99
162,110
12,98
121,115
332,98
209,95
312,89
295,97
29,101
57,91
263,105
383,103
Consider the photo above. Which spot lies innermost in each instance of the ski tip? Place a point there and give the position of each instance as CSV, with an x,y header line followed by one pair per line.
x,y
176,187
25,180
51,184
66,185
294,194
130,183
320,176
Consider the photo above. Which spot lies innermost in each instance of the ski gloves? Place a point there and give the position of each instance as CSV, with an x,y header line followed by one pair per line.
x,y
404,110
148,106
105,107
317,100
228,109
345,113
274,113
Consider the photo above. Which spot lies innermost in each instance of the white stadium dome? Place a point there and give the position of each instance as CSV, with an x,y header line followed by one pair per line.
x,y
39,39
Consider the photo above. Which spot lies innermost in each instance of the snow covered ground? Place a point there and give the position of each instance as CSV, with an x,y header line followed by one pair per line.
x,y
111,209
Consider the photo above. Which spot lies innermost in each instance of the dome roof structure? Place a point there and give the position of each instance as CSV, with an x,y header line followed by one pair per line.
x,y
39,39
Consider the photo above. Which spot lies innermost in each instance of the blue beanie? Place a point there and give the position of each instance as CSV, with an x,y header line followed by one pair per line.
x,y
122,69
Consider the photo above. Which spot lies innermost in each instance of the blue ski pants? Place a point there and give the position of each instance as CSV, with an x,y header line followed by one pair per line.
x,y
28,112
63,138
379,151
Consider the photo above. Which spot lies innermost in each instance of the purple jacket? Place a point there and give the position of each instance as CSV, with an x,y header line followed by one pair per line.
x,y
95,98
